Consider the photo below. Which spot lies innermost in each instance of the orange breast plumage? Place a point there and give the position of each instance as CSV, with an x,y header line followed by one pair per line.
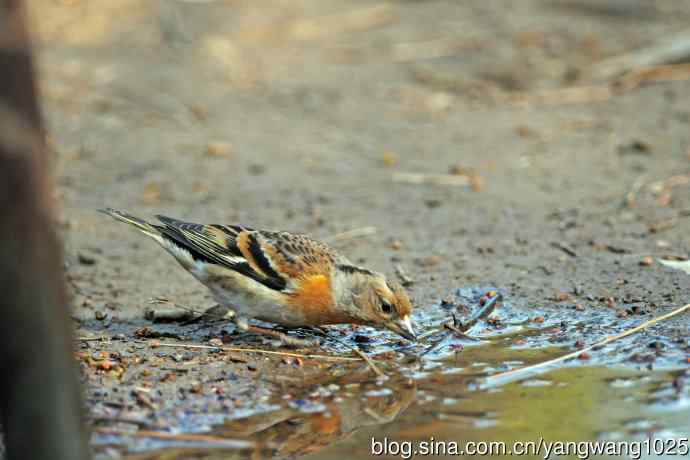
x,y
313,298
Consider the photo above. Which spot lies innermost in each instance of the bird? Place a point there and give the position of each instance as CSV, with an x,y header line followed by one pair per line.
x,y
280,277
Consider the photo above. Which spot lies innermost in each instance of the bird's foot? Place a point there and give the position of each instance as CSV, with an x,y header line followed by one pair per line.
x,y
215,313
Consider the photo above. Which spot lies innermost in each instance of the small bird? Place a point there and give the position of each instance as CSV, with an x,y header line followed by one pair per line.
x,y
280,277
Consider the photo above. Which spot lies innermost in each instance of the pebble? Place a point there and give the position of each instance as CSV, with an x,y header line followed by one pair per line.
x,y
646,261
85,259
219,149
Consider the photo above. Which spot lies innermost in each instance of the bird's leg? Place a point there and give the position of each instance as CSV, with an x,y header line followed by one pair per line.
x,y
243,325
215,313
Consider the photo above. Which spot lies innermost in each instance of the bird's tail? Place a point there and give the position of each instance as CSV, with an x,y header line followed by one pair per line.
x,y
140,224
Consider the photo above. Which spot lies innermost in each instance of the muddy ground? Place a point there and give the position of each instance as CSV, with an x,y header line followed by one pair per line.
x,y
301,116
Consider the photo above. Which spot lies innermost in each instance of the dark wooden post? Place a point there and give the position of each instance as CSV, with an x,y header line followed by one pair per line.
x,y
39,392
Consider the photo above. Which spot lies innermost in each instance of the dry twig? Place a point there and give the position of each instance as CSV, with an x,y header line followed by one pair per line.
x,y
673,72
353,234
402,274
182,437
565,248
369,361
669,51
433,179
568,95
528,371
256,350
432,49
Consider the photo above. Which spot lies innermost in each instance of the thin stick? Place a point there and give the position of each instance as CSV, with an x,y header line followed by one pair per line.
x,y
667,51
664,73
661,255
402,274
356,350
516,374
256,350
432,49
125,420
567,95
91,339
163,300
565,248
369,361
434,179
631,196
235,349
184,437
355,233
460,333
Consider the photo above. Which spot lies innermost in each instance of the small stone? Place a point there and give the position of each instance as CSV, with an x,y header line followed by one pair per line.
x,y
390,159
646,261
562,297
152,193
256,169
430,261
196,388
656,345
85,259
458,170
584,356
100,315
199,111
359,338
219,149
432,203
525,131
215,342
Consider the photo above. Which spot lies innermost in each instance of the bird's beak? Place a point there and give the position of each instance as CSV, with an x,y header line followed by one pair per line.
x,y
403,327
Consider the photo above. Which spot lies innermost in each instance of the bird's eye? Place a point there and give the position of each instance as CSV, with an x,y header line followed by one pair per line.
x,y
386,307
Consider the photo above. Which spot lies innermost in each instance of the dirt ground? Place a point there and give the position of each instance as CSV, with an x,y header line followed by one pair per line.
x,y
304,115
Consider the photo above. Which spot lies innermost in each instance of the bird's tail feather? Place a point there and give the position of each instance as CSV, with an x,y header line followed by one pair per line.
x,y
140,224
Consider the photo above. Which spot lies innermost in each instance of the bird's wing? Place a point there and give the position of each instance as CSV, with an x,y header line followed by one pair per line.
x,y
293,256
218,244
277,260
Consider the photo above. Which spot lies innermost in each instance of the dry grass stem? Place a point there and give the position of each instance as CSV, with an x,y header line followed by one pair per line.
x,y
528,371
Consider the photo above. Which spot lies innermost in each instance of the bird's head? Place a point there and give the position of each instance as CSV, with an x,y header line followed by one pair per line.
x,y
382,304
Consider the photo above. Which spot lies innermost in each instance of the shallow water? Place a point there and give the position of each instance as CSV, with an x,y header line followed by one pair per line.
x,y
433,392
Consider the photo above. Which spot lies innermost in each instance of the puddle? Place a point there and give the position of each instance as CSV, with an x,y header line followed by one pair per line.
x,y
431,393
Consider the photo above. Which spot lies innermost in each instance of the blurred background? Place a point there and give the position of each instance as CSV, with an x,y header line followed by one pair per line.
x,y
539,146
321,116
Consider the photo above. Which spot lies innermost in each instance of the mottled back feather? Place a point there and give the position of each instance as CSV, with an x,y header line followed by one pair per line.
x,y
274,259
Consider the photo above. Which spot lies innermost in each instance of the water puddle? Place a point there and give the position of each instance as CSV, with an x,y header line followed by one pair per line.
x,y
433,393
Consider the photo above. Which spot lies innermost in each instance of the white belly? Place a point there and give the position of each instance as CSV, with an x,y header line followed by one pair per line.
x,y
248,298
